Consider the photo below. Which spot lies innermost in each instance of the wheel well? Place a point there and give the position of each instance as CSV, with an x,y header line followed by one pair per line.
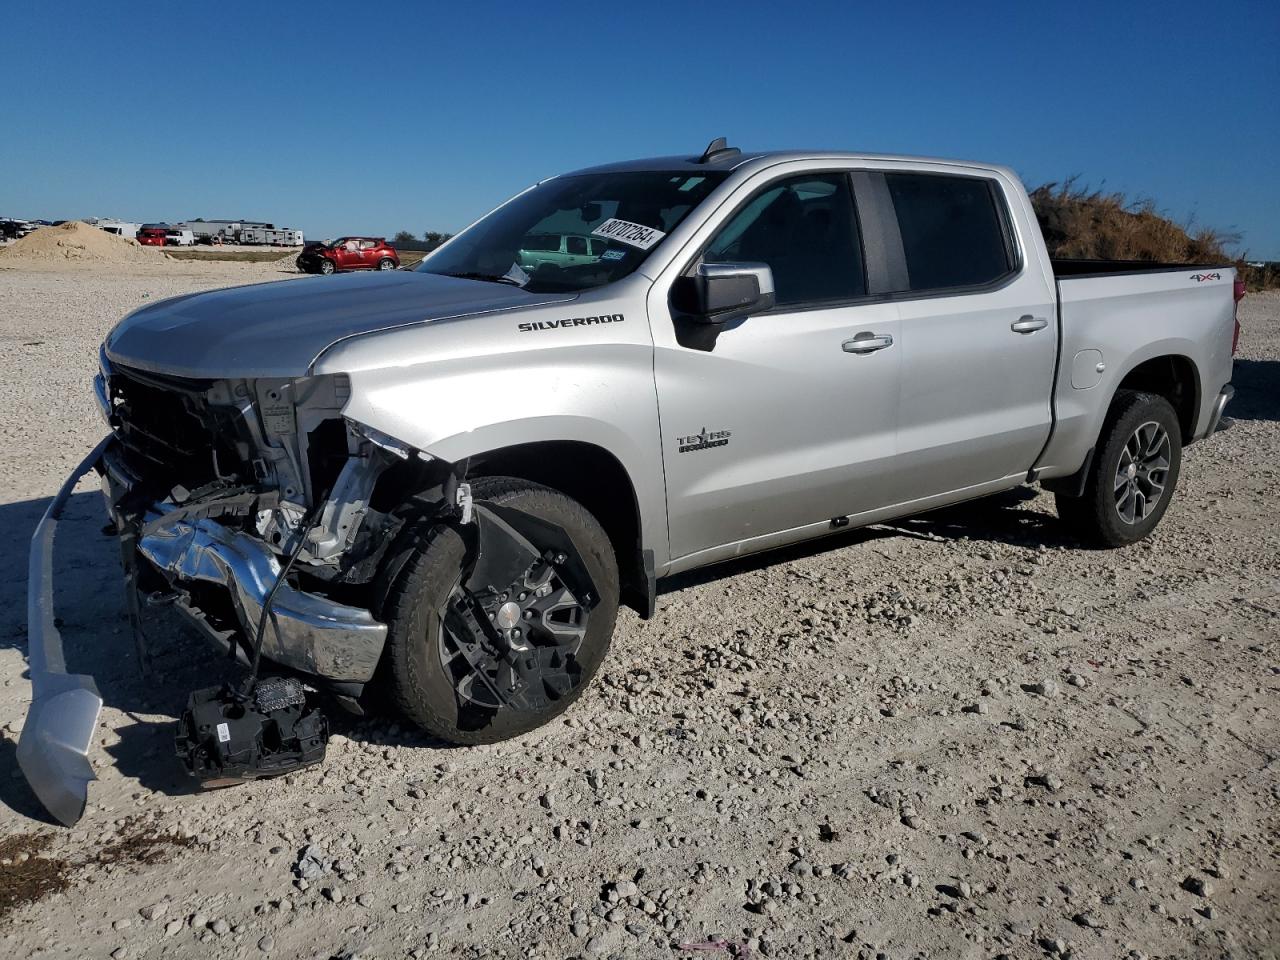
x,y
1174,378
594,477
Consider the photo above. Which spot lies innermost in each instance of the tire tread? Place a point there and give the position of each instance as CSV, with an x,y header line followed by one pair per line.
x,y
402,608
1091,516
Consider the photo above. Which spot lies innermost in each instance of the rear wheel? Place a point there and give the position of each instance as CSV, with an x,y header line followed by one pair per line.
x,y
386,263
1133,475
449,671
326,266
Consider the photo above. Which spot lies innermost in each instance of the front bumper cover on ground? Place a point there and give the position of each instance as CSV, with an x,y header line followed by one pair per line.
x,y
53,751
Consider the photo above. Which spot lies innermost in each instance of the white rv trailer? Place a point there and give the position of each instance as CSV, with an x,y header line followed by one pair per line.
x,y
221,231
121,228
270,234
243,231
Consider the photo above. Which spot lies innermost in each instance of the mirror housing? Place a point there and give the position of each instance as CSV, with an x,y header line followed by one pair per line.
x,y
720,292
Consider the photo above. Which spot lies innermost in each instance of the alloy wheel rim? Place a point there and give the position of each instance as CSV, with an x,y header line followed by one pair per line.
x,y
1142,472
549,624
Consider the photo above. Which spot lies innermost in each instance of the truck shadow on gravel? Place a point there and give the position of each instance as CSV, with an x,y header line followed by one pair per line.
x,y
1257,384
1001,518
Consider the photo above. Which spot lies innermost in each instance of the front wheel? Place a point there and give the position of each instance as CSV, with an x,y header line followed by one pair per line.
x,y
1133,475
326,267
450,673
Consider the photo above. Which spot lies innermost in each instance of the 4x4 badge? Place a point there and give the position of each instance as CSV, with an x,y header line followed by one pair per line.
x,y
704,440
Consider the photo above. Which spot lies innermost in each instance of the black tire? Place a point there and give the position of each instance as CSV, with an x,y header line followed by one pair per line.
x,y
386,263
1099,516
422,687
327,266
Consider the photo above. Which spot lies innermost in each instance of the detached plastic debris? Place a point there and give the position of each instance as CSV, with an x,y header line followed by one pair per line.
x,y
224,739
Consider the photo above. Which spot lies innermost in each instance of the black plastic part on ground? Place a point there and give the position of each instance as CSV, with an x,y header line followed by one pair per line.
x,y
223,739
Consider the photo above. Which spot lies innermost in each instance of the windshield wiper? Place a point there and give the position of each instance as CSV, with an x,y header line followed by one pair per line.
x,y
489,277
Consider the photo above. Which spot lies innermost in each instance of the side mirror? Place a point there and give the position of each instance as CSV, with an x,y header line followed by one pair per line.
x,y
720,292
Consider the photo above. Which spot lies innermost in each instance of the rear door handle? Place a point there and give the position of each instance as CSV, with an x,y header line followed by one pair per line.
x,y
1028,324
867,342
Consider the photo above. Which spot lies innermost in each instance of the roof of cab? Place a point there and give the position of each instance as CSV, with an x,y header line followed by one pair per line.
x,y
729,161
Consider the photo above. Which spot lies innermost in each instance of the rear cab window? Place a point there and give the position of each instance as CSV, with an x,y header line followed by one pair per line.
x,y
955,230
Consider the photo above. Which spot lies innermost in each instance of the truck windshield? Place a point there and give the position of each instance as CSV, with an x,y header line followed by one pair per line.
x,y
627,214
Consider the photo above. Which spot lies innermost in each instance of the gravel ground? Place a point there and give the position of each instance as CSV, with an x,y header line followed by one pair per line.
x,y
960,735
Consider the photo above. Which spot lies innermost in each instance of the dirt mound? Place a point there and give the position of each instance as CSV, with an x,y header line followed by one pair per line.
x,y
78,242
1081,223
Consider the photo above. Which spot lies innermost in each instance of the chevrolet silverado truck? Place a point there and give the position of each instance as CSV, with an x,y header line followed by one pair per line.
x,y
432,489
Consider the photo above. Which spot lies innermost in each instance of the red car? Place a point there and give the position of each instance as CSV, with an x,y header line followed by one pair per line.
x,y
348,253
151,235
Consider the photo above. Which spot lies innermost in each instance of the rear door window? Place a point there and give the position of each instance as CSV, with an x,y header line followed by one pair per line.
x,y
953,232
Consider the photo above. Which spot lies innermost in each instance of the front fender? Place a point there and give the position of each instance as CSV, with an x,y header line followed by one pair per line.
x,y
602,394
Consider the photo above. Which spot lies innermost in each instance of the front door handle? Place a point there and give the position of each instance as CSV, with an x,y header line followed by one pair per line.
x,y
1028,324
867,342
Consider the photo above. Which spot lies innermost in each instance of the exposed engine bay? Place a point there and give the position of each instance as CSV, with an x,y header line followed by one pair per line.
x,y
214,486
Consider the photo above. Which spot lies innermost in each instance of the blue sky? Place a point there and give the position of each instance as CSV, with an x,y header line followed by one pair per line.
x,y
340,118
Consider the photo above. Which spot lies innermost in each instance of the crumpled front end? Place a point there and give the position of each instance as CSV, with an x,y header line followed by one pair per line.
x,y
310,634
212,486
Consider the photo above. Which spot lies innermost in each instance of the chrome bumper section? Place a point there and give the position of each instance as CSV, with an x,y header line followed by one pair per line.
x,y
1215,415
53,750
307,632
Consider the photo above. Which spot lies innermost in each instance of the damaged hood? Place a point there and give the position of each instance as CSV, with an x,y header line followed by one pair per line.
x,y
279,329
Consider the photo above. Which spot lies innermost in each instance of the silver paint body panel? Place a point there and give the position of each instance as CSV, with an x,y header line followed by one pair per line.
x,y
278,329
960,405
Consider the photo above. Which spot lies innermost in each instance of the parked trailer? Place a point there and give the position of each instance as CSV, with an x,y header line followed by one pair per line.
x,y
243,231
214,231
121,228
274,236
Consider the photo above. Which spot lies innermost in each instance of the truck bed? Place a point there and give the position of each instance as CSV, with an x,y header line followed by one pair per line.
x,y
1113,315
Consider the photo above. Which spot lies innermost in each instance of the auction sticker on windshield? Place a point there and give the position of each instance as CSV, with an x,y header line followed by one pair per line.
x,y
632,234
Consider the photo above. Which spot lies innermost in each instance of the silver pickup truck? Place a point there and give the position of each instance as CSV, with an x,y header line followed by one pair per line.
x,y
447,479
